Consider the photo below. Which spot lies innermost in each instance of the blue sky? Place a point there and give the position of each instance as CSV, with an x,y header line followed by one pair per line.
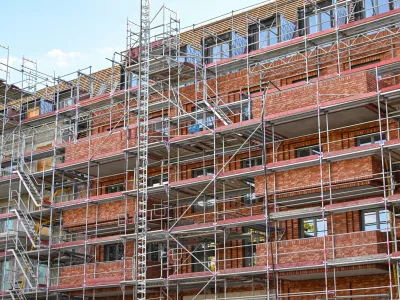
x,y
63,36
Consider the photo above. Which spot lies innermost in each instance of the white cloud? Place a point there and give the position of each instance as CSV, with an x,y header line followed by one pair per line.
x,y
65,59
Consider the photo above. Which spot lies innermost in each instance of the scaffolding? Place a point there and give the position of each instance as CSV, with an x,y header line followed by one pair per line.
x,y
253,156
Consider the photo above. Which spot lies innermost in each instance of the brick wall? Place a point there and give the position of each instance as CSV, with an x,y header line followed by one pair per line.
x,y
312,249
103,272
306,94
347,286
100,144
303,180
100,215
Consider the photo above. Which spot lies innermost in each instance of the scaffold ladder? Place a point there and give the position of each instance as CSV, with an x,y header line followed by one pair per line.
x,y
24,263
26,177
142,158
28,224
29,184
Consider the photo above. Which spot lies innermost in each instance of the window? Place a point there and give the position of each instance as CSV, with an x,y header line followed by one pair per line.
x,y
83,130
307,151
319,22
153,252
203,171
157,180
246,109
42,279
370,139
205,253
263,34
250,162
217,48
5,225
134,80
65,102
36,108
315,18
250,197
361,63
220,51
202,205
224,46
377,219
113,252
313,227
119,187
207,119
368,8
79,190
375,7
161,127
249,245
44,163
202,118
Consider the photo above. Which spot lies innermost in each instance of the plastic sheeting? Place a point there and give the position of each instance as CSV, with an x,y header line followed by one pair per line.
x,y
341,15
287,29
45,106
239,44
193,55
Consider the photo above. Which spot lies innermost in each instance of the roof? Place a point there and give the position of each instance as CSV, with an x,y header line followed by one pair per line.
x,y
237,21
100,78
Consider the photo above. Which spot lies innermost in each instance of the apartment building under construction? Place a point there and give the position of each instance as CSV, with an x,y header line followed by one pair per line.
x,y
253,156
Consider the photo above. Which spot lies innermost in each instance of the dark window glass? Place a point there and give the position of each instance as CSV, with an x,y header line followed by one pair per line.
x,y
113,252
202,172
119,187
157,180
153,252
249,245
251,162
205,253
250,197
307,151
